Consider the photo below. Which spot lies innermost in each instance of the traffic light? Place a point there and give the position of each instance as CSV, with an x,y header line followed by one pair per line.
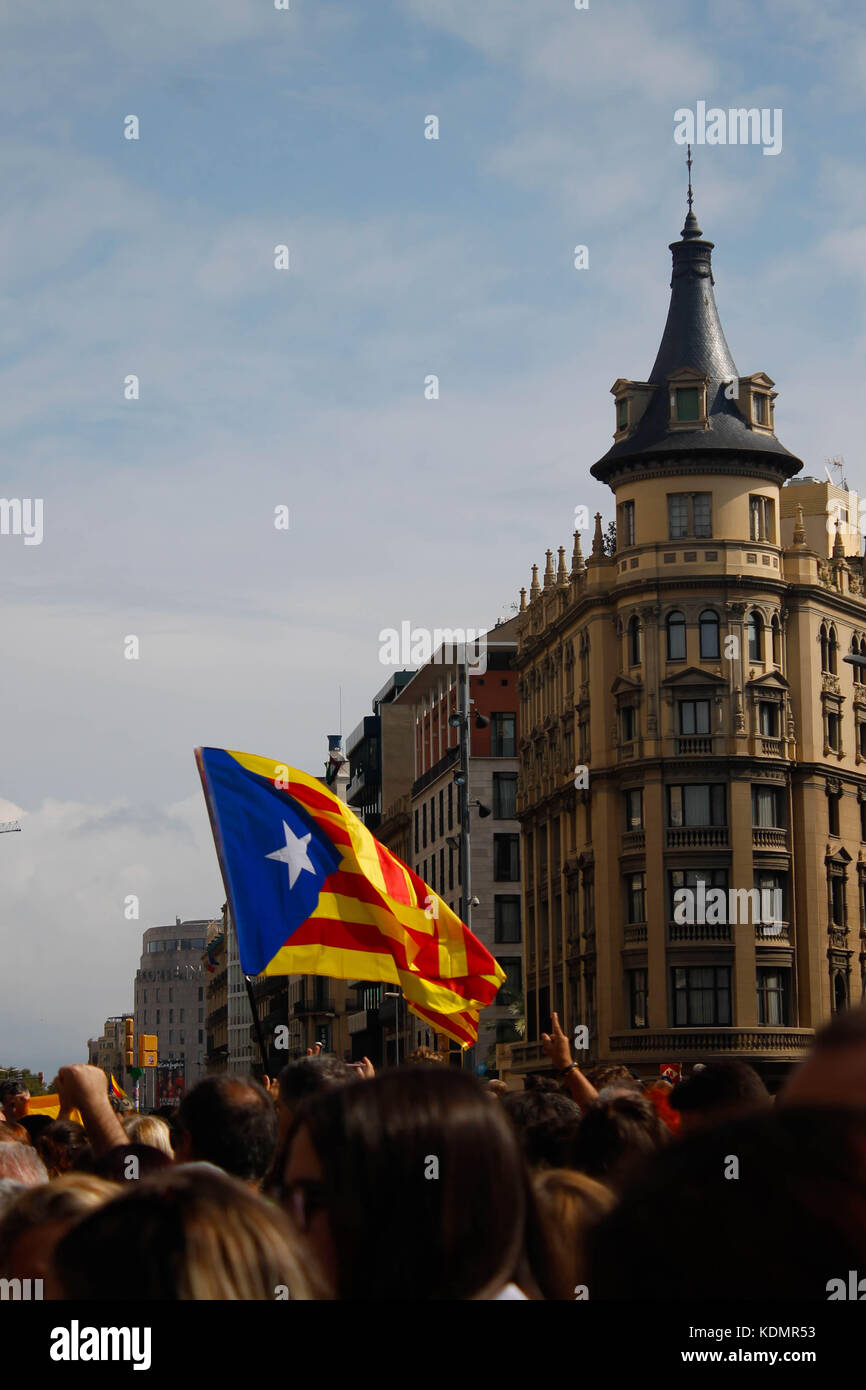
x,y
147,1049
128,1044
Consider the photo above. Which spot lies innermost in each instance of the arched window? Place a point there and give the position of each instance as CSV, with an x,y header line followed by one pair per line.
x,y
840,992
777,641
832,648
755,631
634,641
824,648
676,635
708,624
855,651
584,658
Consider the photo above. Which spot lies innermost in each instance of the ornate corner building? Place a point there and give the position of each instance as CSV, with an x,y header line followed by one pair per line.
x,y
693,716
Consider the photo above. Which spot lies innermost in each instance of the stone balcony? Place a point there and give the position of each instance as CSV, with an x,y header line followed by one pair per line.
x,y
769,837
697,837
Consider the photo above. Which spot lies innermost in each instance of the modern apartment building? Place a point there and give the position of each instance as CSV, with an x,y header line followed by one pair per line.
x,y
693,722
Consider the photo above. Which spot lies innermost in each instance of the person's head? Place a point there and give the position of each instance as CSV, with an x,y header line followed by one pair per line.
x,y
189,1233
770,1206
62,1144
834,1073
22,1163
35,1126
308,1076
720,1091
229,1121
496,1088
10,1191
618,1133
13,1134
569,1204
546,1123
148,1129
411,1185
14,1096
537,1081
39,1218
610,1074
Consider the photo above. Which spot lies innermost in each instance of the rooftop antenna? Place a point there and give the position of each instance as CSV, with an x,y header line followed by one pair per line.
x,y
838,466
689,163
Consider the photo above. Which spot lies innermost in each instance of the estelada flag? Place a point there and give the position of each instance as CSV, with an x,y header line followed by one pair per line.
x,y
312,892
117,1091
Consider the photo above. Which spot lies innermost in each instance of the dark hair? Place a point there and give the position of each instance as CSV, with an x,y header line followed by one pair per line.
x,y
546,1123
11,1088
537,1081
846,1029
425,1187
610,1073
35,1126
63,1144
790,1218
618,1133
309,1076
230,1122
722,1085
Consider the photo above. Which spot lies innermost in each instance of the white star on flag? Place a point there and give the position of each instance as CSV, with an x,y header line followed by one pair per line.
x,y
294,854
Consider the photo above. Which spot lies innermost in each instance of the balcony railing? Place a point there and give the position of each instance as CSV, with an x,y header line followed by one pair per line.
x,y
695,743
699,931
769,837
773,933
771,747
635,932
678,1042
697,837
634,840
314,1006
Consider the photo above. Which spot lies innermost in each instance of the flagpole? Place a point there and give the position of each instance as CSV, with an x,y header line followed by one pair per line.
x,y
256,1024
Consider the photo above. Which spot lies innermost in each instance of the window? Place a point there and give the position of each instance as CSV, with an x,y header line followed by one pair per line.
x,y
688,405
697,804
432,819
622,414
634,655
773,994
432,879
513,982
634,809
627,723
679,879
506,858
762,519
201,992
755,633
767,807
450,807
676,636
828,649
760,408
678,516
777,641
450,869
171,1014
708,626
768,719
171,996
626,524
833,813
863,821
424,826
701,995
201,1035
181,1015
504,795
694,716
773,891
834,731
635,897
506,912
637,999
417,843
503,737
838,906
689,514
442,812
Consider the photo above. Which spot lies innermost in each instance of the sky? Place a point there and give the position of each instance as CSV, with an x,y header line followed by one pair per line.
x,y
304,388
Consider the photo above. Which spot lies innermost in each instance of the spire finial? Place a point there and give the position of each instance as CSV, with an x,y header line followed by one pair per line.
x,y
691,231
689,163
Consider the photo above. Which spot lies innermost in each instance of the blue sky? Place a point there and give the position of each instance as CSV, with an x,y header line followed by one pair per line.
x,y
305,388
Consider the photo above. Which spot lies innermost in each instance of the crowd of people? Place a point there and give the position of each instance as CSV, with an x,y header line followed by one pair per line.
x,y
422,1182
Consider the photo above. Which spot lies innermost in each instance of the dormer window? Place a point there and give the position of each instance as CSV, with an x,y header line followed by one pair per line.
x,y
755,397
622,415
632,399
687,403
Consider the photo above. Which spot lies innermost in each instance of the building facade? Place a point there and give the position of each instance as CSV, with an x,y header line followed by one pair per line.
x,y
170,1003
693,730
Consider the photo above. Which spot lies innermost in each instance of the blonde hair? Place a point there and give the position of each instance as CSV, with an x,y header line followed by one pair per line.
x,y
63,1201
150,1130
568,1204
